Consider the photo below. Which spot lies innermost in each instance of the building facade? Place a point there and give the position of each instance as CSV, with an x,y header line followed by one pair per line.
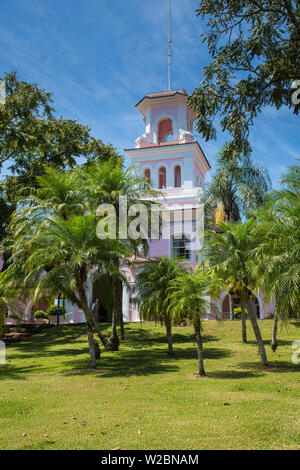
x,y
168,155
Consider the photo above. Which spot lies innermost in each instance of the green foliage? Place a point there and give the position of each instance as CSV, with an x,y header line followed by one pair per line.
x,y
188,296
3,327
53,240
43,315
106,183
32,138
254,49
230,255
52,310
277,258
239,185
153,283
43,369
237,313
232,264
5,212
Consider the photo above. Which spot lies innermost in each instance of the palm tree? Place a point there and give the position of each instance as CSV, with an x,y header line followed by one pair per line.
x,y
153,283
75,253
59,194
230,254
238,186
106,184
278,255
188,297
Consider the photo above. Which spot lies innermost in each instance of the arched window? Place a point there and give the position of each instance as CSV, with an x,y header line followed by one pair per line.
x,y
162,178
177,176
147,174
236,305
165,130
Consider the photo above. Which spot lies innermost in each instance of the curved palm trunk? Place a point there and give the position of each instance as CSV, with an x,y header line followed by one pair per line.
x,y
231,306
97,349
101,336
169,335
261,347
89,323
197,326
92,348
114,342
119,297
244,327
274,344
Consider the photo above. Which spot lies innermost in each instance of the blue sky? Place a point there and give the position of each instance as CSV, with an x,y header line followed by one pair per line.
x,y
99,58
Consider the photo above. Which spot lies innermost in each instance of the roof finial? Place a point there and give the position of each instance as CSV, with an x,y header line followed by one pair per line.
x,y
170,45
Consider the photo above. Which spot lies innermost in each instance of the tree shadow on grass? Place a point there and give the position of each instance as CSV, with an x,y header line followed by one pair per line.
x,y
143,362
50,353
41,345
273,366
11,372
126,364
134,358
295,323
234,374
151,338
208,353
267,342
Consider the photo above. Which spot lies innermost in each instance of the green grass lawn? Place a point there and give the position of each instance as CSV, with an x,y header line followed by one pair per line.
x,y
139,398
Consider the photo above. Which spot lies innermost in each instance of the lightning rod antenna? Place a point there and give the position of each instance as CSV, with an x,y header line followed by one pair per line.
x,y
170,44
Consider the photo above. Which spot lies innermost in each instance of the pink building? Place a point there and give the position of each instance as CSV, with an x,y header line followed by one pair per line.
x,y
173,160
168,155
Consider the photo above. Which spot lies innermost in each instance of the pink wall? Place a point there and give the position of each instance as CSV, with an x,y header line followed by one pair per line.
x,y
158,248
159,111
266,307
77,314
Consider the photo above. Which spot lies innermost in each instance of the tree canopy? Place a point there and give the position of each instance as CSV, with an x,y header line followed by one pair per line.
x,y
238,186
254,47
33,138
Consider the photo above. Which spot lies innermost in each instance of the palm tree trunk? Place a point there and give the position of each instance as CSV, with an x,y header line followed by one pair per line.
x,y
120,307
231,306
89,322
101,336
169,335
261,347
274,344
114,342
244,327
92,348
197,326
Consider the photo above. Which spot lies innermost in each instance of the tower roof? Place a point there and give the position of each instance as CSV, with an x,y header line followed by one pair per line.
x,y
162,94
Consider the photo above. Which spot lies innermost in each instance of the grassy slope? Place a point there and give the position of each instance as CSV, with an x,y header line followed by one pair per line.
x,y
141,399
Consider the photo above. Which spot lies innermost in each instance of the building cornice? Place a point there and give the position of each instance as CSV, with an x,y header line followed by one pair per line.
x,y
164,149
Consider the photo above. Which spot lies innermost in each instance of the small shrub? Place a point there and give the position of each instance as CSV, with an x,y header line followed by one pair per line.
x,y
41,314
53,310
237,313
